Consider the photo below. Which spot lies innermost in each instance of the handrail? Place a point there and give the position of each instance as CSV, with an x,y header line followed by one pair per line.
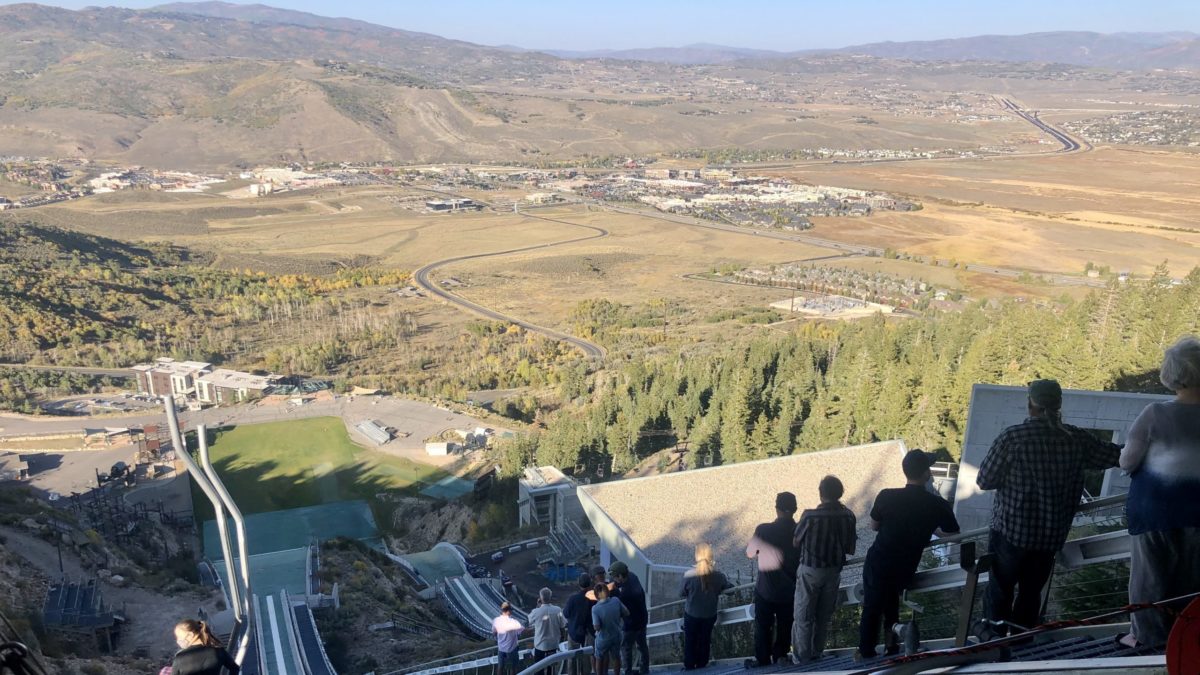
x,y
239,522
555,659
238,604
958,537
680,602
740,614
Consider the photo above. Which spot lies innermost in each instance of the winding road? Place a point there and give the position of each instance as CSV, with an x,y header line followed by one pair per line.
x,y
421,278
595,351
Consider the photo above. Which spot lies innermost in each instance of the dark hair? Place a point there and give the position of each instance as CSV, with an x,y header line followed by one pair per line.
x,y
201,630
585,580
600,588
505,607
598,572
831,488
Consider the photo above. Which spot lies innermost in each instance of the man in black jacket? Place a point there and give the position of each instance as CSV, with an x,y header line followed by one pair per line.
x,y
578,612
775,588
631,594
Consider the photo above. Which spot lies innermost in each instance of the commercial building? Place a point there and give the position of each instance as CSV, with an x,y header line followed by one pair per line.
x,y
453,205
168,377
223,386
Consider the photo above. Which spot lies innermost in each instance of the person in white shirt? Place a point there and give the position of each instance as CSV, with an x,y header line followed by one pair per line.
x,y
507,631
549,624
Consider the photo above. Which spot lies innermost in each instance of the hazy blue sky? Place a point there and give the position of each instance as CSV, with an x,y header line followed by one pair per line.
x,y
764,24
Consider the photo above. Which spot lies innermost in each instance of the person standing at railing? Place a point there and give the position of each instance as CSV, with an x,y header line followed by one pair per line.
x,y
507,630
701,592
628,589
776,583
905,519
1162,456
1037,470
606,620
200,652
578,612
548,623
825,536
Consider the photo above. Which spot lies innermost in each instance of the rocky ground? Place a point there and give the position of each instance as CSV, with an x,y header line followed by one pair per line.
x,y
374,590
153,596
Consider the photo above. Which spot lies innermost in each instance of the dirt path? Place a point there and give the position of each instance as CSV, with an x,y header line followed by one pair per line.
x,y
151,615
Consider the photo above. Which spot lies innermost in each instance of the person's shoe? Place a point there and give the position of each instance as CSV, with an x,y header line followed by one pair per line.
x,y
891,650
750,663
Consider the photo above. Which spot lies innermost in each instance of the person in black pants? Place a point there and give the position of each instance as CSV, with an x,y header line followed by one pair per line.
x,y
775,588
701,591
578,613
905,519
1037,470
628,589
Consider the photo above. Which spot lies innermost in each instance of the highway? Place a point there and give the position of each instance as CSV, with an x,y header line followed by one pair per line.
x,y
1069,143
421,278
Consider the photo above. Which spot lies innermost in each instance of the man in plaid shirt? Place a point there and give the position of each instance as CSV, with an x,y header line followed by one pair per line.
x,y
1037,470
824,536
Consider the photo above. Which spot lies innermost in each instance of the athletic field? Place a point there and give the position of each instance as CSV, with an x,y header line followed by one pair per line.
x,y
287,465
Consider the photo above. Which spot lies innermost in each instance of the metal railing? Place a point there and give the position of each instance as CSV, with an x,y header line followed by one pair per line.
x,y
1096,549
210,484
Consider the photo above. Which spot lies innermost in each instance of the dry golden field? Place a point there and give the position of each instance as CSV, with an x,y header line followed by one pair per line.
x,y
1128,209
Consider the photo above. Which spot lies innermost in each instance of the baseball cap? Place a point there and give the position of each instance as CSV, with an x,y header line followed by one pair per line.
x,y
785,501
1046,394
618,568
917,462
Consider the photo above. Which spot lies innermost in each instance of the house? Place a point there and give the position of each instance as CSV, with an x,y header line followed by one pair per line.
x,y
223,386
168,377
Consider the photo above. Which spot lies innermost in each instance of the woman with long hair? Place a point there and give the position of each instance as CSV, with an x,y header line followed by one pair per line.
x,y
200,652
702,588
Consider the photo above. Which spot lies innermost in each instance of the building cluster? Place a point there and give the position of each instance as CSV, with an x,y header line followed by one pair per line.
x,y
138,178
200,382
1146,127
724,195
866,286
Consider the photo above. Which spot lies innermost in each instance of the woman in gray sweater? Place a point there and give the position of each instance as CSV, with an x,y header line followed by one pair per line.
x,y
1162,455
702,587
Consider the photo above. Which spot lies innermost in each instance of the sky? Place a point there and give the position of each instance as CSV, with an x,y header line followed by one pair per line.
x,y
783,25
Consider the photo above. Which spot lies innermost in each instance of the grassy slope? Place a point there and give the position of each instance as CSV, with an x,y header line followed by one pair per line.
x,y
284,465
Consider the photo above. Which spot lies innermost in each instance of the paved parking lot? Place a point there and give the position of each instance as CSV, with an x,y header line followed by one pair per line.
x,y
67,472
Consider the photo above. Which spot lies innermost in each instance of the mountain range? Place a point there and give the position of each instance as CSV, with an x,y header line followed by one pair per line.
x,y
217,84
1133,51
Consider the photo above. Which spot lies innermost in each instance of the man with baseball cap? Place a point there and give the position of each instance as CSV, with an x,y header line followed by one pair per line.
x,y
905,519
1037,470
775,586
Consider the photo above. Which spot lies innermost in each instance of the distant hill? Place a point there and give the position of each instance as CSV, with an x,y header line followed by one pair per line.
x,y
218,85
695,54
1134,51
1131,51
